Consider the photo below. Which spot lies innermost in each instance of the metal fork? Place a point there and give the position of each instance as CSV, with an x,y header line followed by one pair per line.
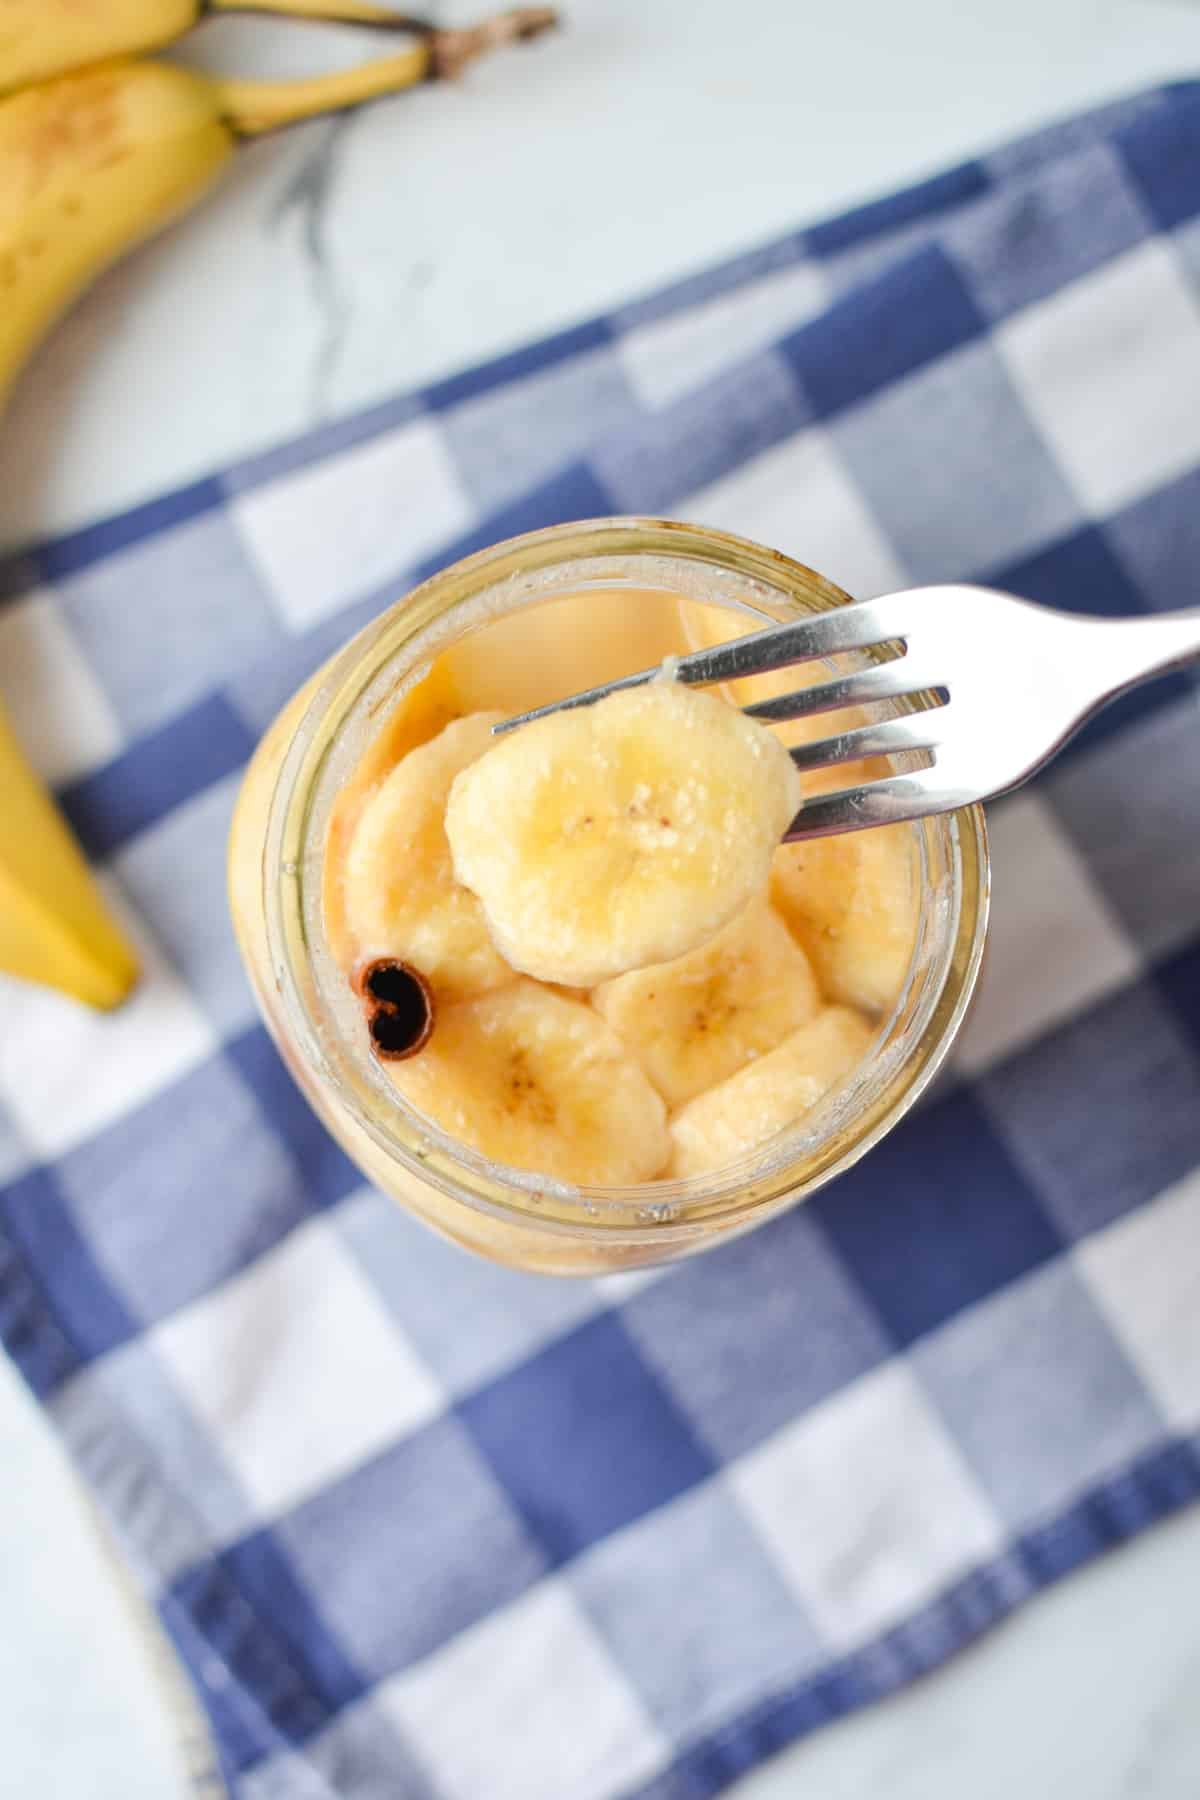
x,y
995,687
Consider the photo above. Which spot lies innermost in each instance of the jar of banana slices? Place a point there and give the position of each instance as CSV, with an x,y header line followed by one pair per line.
x,y
562,992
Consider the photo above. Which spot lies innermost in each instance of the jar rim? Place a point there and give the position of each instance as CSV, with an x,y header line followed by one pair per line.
x,y
375,670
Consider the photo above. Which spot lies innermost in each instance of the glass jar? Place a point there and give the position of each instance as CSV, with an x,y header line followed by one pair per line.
x,y
276,863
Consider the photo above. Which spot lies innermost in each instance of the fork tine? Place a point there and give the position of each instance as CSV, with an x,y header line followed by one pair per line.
x,y
889,802
881,681
859,626
885,737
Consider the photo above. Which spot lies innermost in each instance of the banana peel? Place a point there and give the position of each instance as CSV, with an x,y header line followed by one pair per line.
x,y
54,926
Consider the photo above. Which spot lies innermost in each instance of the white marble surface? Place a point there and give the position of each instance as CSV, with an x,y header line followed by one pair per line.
x,y
349,261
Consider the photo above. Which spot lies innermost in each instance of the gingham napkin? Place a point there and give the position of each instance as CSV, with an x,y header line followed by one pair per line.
x,y
426,1530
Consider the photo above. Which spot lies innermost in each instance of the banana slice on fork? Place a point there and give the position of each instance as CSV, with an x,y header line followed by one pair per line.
x,y
622,834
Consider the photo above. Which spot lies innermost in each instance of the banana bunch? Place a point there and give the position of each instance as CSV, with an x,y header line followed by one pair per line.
x,y
99,149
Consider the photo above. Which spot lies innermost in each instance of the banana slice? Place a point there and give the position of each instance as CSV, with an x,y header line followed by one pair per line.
x,y
398,893
851,901
540,1083
621,834
768,1095
696,1020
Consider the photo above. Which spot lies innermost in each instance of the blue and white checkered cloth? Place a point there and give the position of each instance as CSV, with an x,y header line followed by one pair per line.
x,y
425,1529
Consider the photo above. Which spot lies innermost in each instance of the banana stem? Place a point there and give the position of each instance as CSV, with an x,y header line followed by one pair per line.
x,y
254,107
347,12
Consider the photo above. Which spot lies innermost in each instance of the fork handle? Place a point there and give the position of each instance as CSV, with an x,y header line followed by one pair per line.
x,y
1130,651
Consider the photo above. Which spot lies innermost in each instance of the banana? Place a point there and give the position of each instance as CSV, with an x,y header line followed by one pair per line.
x,y
53,925
93,163
852,902
40,39
398,893
89,165
540,1083
768,1095
621,834
693,1022
43,38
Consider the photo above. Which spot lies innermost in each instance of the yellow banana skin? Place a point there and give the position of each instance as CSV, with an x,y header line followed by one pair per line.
x,y
53,925
89,166
40,39
43,38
